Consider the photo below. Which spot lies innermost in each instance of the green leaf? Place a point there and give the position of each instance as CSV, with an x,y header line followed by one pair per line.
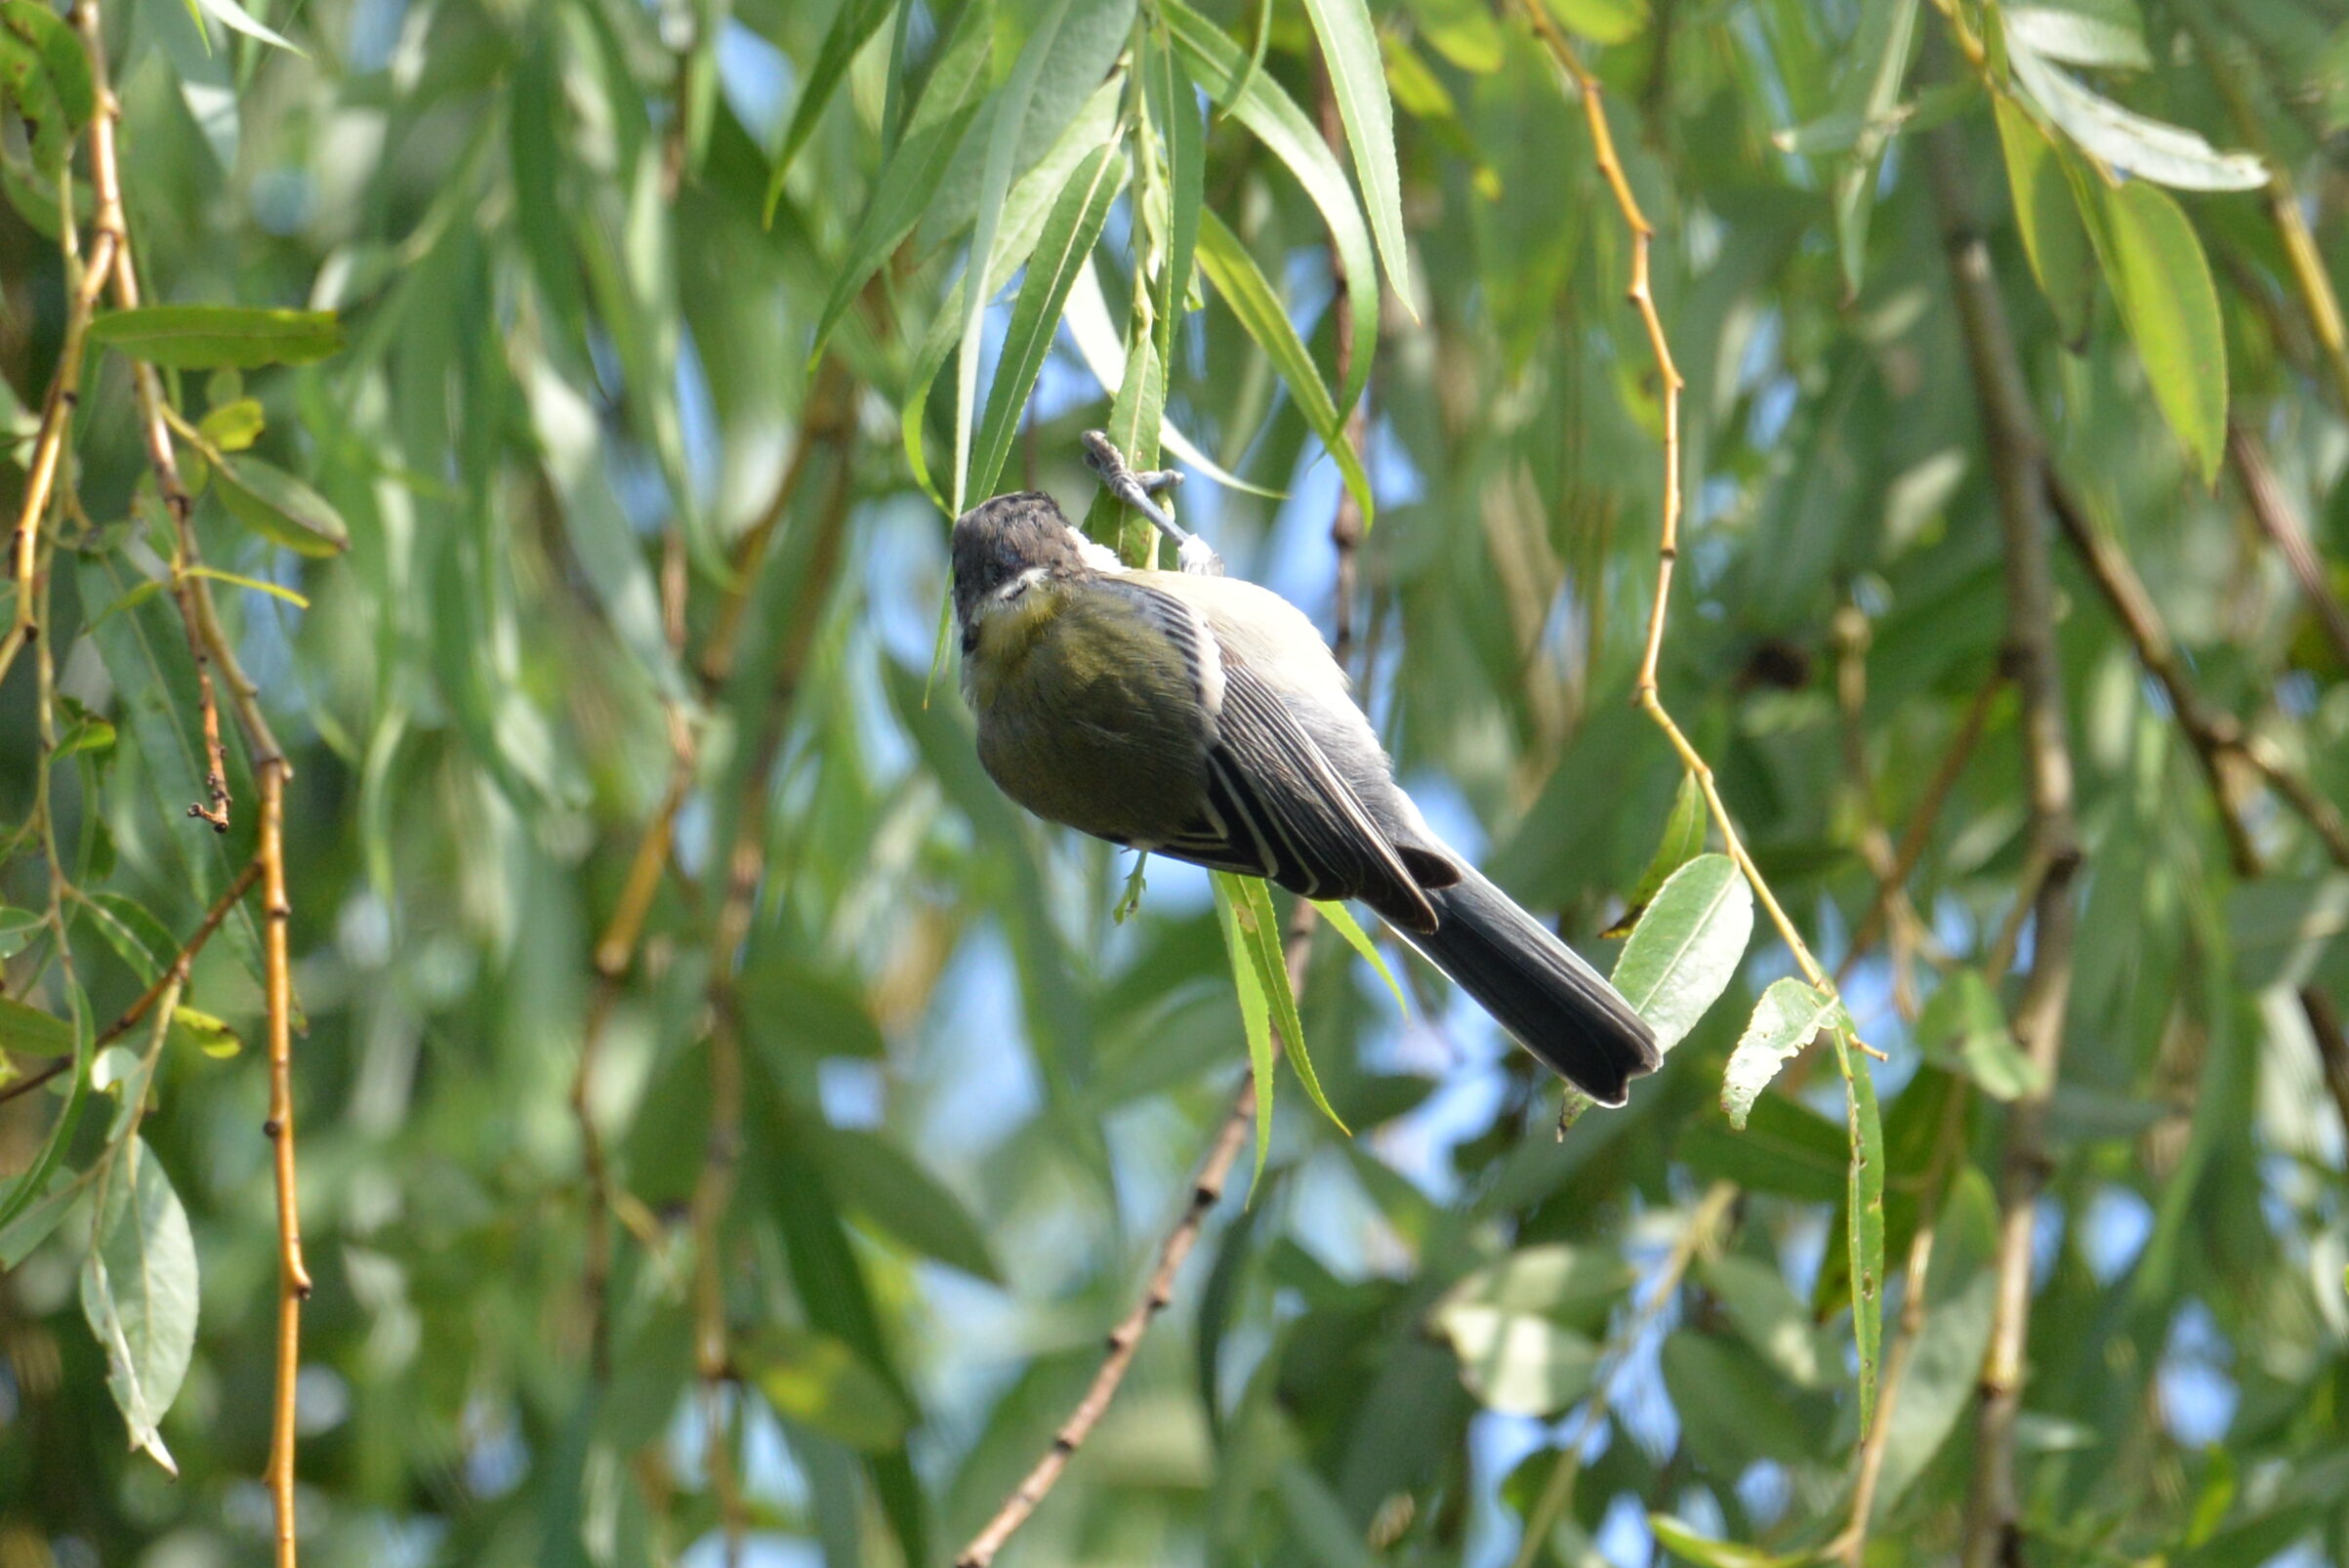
x,y
1791,1011
142,941
853,27
2282,928
2081,32
2055,238
820,1381
1682,841
1261,925
1963,1026
1865,1237
1732,1411
207,1032
1785,1148
2162,282
16,928
1686,949
1258,101
917,164
200,336
1242,286
1463,32
138,1293
27,1031
282,509
1341,921
1944,1371
1575,1287
1256,1012
252,584
86,735
41,1219
2166,154
1174,111
1683,1541
235,425
1517,1363
45,74
1765,1312
1067,239
235,16
798,1006
206,80
1349,48
1880,52
897,1196
1602,22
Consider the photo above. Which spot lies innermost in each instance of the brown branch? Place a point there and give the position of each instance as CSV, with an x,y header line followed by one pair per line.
x,y
2019,469
1345,523
2282,522
2217,739
746,865
1206,1189
293,1278
57,415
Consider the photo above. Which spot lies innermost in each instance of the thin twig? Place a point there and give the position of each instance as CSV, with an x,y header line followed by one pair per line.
x,y
1558,1490
1668,548
1345,520
2217,739
2285,528
293,1278
2019,469
1206,1189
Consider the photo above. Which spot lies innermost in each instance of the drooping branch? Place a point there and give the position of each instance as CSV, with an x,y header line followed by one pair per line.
x,y
2288,531
2019,472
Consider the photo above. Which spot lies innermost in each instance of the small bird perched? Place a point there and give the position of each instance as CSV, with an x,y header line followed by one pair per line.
x,y
1202,717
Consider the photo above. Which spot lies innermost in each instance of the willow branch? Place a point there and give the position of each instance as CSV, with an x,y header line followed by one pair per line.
x,y
1558,1490
57,418
746,866
2217,739
2019,470
1668,550
1207,1189
2285,528
293,1278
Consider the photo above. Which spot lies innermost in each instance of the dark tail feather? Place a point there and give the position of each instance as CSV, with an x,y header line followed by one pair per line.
x,y
1537,988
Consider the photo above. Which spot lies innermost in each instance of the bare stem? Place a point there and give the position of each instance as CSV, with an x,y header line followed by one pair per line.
x,y
293,1278
2285,529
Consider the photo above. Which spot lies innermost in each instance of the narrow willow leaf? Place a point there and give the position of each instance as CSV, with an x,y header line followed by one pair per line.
x,y
1009,106
1602,22
138,1293
1061,252
1349,48
238,580
1682,841
207,83
1887,30
237,18
851,29
1175,111
2166,154
27,1031
1772,1319
1255,1012
1135,416
1865,1235
203,336
905,186
1789,1014
1257,103
1242,286
20,1194
1463,32
1944,1371
2162,281
41,1219
820,1381
208,1032
1964,1027
1260,925
1104,355
282,509
2055,238
1686,948
2080,34
892,1191
1683,1541
1341,921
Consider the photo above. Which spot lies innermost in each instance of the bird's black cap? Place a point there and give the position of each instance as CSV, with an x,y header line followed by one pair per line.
x,y
997,540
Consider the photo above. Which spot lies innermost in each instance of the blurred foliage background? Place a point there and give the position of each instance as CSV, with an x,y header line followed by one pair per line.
x,y
728,1128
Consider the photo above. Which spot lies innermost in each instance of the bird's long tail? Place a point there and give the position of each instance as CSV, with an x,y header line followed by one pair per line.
x,y
1537,988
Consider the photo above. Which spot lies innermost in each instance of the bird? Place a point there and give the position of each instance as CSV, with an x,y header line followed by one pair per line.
x,y
1202,717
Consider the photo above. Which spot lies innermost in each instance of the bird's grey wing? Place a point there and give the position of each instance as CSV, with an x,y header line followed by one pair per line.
x,y
1275,807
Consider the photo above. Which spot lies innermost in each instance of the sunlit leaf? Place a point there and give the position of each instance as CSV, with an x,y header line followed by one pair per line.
x,y
2166,154
2162,281
1687,946
1865,1204
1341,921
1517,1363
1791,1011
30,1032
1255,1014
200,337
1683,840
138,1293
1349,47
2081,32
816,1379
2053,236
282,509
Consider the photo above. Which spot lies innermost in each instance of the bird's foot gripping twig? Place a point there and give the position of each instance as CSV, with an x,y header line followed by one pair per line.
x,y
1134,490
